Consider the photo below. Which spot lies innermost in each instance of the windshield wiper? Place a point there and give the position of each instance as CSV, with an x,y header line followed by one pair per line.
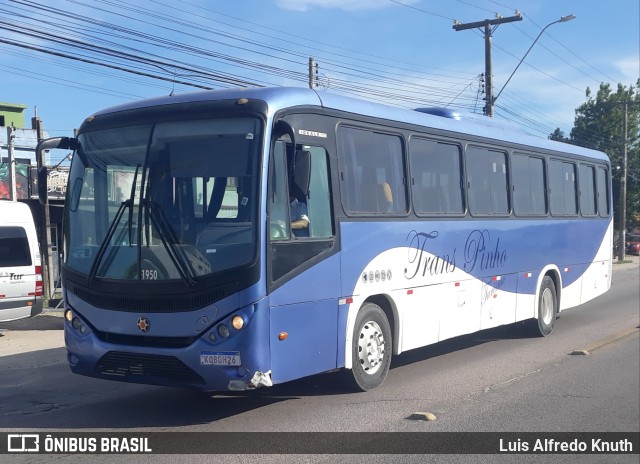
x,y
131,198
128,203
169,240
103,246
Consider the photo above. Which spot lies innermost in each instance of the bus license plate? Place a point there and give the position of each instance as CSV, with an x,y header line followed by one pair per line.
x,y
220,358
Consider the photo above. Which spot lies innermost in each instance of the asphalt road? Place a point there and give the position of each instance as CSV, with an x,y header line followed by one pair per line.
x,y
496,380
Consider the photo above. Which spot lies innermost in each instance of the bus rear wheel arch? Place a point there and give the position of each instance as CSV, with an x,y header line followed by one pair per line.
x,y
372,348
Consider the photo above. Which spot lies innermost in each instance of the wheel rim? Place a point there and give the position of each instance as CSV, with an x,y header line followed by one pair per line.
x,y
371,347
546,309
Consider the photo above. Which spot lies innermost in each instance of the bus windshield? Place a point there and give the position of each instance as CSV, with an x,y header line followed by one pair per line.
x,y
164,201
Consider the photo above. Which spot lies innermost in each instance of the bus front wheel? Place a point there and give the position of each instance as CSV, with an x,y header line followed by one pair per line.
x,y
543,324
371,348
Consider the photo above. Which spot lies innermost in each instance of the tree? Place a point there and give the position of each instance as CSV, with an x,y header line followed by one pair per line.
x,y
558,135
599,124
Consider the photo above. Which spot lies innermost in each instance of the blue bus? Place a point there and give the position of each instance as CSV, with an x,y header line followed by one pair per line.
x,y
181,267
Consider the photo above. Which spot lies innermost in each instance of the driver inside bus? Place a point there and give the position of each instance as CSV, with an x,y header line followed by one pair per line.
x,y
299,218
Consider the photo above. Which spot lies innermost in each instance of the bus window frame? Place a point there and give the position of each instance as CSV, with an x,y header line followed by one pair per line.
x,y
545,180
565,160
463,175
607,173
595,189
382,130
333,242
504,149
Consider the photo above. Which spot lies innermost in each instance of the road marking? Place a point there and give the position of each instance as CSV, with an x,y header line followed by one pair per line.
x,y
514,379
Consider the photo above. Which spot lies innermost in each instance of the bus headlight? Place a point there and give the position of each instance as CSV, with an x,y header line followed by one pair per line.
x,y
228,326
77,323
237,322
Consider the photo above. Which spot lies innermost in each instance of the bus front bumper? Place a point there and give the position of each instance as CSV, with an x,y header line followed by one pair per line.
x,y
237,362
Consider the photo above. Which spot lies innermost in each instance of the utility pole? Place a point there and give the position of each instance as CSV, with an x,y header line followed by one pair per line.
x,y
13,195
313,73
45,239
488,31
622,224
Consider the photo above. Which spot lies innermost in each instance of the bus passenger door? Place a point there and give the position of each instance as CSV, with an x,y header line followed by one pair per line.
x,y
304,270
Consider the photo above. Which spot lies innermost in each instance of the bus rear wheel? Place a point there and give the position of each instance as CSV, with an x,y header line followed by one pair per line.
x,y
543,324
371,348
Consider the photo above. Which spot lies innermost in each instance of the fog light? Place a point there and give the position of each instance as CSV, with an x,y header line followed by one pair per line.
x,y
83,329
237,322
76,323
212,336
223,330
68,315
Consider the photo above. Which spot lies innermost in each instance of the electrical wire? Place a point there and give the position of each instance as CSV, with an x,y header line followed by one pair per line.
x,y
64,34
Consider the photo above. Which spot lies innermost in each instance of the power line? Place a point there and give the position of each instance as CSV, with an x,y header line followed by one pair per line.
x,y
540,44
97,41
84,60
358,53
576,55
421,10
370,76
476,6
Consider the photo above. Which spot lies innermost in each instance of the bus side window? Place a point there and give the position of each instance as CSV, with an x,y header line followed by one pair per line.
x,y
384,197
319,199
603,192
372,172
279,194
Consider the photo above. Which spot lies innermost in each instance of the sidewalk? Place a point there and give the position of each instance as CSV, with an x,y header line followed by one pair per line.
x,y
629,261
42,332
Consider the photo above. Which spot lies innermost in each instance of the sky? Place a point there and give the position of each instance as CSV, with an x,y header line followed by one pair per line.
x,y
401,52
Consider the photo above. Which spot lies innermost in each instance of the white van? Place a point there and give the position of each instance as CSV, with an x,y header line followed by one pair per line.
x,y
20,265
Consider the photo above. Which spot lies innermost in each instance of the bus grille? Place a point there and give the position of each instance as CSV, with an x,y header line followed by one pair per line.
x,y
142,340
151,366
152,303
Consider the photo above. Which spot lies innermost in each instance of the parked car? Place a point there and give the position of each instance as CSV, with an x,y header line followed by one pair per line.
x,y
20,266
633,244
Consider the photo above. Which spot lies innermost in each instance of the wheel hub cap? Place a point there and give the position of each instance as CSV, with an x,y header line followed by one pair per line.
x,y
547,306
371,347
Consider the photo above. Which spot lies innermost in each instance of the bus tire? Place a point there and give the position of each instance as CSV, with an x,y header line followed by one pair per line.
x,y
543,324
371,348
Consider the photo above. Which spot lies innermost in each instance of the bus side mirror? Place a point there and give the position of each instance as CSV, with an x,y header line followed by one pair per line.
x,y
64,143
43,174
302,173
282,128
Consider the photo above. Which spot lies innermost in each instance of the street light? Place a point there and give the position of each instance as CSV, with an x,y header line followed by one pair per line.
x,y
563,19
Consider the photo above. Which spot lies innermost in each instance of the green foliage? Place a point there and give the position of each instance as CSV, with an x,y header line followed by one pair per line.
x,y
599,124
558,135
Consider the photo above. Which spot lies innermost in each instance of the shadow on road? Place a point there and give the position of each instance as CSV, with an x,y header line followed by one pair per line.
x,y
39,322
37,390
